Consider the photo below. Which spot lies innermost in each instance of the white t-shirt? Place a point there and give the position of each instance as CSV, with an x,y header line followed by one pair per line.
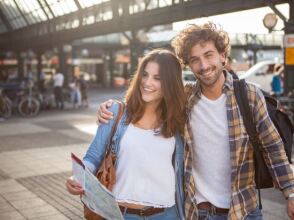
x,y
145,173
211,152
58,80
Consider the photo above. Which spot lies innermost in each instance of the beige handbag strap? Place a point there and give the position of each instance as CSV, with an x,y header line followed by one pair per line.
x,y
114,127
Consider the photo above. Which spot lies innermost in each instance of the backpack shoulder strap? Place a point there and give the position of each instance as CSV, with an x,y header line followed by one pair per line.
x,y
240,91
243,103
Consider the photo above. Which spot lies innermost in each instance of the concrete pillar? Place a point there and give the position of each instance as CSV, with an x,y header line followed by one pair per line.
x,y
39,65
111,67
63,65
20,66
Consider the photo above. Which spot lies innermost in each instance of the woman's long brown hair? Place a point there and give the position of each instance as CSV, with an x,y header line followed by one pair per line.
x,y
172,106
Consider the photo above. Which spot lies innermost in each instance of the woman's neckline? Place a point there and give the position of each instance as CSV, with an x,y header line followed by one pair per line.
x,y
145,129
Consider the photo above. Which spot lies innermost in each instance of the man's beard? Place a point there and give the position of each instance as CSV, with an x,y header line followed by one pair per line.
x,y
213,80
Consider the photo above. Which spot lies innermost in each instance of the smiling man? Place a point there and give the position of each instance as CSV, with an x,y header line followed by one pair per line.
x,y
219,169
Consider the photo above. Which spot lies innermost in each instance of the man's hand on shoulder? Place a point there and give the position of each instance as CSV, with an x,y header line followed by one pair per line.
x,y
290,208
103,114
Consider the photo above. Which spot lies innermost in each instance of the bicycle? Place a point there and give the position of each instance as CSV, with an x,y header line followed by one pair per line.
x,y
29,106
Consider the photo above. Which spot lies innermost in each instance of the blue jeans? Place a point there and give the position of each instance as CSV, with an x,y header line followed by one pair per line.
x,y
168,214
254,215
205,215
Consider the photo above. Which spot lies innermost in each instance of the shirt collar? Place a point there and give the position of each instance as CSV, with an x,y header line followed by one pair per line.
x,y
196,89
228,85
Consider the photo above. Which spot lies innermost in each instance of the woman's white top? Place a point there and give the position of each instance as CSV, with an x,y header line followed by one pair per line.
x,y
145,173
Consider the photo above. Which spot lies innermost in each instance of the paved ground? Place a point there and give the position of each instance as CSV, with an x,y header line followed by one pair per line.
x,y
35,162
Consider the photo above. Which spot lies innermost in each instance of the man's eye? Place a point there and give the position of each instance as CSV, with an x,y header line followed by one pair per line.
x,y
194,60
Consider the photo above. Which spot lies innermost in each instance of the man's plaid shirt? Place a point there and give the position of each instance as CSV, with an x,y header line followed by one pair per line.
x,y
243,192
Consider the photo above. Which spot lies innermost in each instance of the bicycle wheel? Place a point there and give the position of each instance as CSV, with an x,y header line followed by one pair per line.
x,y
5,108
29,107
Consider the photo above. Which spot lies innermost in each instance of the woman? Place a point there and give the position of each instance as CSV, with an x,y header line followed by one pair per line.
x,y
150,151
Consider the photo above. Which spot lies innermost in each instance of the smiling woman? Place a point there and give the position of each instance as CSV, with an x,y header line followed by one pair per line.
x,y
161,71
151,87
147,143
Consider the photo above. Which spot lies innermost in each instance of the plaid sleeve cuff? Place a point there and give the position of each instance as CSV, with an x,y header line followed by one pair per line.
x,y
288,191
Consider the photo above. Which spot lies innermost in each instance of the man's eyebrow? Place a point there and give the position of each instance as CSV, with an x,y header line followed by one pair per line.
x,y
192,57
207,52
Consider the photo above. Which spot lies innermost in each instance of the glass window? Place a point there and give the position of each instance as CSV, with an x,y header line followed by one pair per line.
x,y
60,8
9,9
48,12
32,10
2,27
18,22
89,3
30,19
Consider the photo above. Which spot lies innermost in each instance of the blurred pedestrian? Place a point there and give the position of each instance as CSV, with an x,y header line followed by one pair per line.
x,y
42,82
229,67
229,64
277,84
75,93
58,80
84,91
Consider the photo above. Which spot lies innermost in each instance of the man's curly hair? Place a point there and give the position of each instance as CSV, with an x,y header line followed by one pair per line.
x,y
198,34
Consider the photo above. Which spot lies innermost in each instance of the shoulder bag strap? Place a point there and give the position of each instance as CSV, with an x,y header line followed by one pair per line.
x,y
114,127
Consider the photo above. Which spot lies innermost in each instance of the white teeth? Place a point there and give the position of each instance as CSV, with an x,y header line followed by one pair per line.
x,y
206,74
148,90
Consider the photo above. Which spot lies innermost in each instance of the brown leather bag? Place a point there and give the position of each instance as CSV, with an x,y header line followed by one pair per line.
x,y
106,172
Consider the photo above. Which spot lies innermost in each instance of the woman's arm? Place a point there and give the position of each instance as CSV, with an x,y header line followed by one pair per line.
x,y
97,148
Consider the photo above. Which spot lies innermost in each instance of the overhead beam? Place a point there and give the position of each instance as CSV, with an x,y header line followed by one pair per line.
x,y
277,12
80,12
78,4
59,19
191,9
42,7
49,8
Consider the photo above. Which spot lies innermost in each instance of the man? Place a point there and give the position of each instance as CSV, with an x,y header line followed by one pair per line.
x,y
229,65
219,171
42,81
58,79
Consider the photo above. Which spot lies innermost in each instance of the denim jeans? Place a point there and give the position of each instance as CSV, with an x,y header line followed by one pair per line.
x,y
254,215
205,215
168,214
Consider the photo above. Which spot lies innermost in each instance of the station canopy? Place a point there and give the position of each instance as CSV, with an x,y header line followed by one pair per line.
x,y
16,14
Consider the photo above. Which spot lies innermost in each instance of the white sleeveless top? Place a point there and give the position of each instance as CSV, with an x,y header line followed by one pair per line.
x,y
145,173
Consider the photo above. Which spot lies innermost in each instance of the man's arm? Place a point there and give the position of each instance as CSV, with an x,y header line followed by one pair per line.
x,y
290,208
272,146
103,114
273,151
